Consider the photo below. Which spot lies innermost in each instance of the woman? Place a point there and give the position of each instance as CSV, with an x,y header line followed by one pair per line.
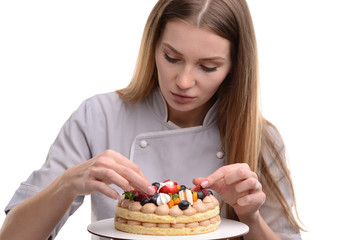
x,y
190,112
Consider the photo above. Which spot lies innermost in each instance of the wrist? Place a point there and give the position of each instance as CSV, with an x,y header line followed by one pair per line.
x,y
252,219
64,187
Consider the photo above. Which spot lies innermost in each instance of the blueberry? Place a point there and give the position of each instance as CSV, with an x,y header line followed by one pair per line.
x,y
144,201
156,184
184,204
211,193
154,197
200,195
182,188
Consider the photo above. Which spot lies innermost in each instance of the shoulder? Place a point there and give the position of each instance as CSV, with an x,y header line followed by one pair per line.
x,y
104,100
103,104
97,109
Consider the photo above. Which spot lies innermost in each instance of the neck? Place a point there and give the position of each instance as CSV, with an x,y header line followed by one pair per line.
x,y
190,118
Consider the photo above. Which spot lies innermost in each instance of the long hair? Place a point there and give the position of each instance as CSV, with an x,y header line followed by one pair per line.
x,y
244,132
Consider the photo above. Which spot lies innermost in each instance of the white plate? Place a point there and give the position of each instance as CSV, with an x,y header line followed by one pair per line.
x,y
227,229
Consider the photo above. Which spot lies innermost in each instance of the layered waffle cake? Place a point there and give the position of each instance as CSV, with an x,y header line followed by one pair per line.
x,y
173,210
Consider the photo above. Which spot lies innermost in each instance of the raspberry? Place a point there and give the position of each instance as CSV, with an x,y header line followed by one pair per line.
x,y
206,192
142,196
197,188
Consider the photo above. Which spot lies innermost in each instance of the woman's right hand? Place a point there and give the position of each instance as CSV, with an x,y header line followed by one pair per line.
x,y
109,167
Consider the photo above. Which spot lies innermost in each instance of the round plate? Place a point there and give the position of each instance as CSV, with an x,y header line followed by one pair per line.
x,y
227,229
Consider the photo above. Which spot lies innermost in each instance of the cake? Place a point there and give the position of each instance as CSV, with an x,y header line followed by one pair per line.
x,y
172,210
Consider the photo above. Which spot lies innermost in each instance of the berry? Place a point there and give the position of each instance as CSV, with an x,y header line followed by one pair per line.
x,y
206,192
144,201
197,188
141,196
154,197
156,184
211,193
171,187
168,180
200,194
182,188
184,204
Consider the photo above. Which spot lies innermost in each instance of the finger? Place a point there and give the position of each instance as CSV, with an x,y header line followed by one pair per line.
x,y
126,162
247,185
120,160
126,169
98,186
136,181
125,177
198,180
256,199
215,180
239,172
109,176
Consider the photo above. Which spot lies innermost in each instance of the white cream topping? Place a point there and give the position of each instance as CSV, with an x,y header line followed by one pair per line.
x,y
163,198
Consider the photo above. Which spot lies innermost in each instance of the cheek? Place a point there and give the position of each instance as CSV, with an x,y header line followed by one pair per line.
x,y
161,69
214,83
166,73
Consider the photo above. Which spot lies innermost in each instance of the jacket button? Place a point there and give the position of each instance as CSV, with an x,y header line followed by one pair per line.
x,y
143,144
219,154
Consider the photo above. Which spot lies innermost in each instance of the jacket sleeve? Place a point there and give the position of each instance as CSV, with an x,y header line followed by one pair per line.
x,y
271,211
69,149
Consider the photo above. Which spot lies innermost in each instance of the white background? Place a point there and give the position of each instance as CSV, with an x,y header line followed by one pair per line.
x,y
55,54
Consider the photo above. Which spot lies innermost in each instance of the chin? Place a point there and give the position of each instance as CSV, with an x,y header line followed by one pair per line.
x,y
182,107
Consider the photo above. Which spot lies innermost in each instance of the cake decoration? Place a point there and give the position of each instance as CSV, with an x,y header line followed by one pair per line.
x,y
173,210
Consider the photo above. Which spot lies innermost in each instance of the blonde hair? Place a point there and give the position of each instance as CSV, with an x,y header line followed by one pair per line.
x,y
243,130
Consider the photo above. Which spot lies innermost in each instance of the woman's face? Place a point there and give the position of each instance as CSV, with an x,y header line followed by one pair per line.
x,y
191,63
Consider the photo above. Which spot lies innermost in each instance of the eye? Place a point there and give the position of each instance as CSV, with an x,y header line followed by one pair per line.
x,y
170,59
208,69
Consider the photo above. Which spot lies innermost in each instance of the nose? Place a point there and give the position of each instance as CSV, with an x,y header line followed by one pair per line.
x,y
185,78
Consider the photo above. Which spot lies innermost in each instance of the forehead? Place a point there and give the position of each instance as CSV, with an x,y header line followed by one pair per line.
x,y
188,38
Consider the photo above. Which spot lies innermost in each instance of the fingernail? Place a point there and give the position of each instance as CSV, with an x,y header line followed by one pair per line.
x,y
204,184
150,190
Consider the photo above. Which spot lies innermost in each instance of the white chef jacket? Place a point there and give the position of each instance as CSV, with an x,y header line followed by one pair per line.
x,y
141,133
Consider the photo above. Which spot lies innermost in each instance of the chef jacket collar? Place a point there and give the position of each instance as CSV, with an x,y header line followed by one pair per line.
x,y
158,104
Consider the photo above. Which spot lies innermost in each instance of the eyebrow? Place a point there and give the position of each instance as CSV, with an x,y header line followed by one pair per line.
x,y
202,59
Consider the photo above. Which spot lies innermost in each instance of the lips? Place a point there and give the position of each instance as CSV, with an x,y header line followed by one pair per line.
x,y
182,98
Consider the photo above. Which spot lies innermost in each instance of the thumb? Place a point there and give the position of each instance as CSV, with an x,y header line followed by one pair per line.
x,y
206,182
198,180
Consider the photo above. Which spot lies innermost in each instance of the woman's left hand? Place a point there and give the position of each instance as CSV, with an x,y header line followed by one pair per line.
x,y
237,186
